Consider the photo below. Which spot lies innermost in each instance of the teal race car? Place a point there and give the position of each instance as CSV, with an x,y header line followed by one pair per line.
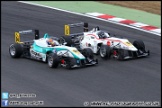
x,y
54,54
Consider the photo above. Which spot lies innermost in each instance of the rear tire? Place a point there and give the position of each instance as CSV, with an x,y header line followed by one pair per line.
x,y
68,40
53,60
16,50
105,52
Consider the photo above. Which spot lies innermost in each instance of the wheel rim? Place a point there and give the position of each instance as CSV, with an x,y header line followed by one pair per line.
x,y
12,50
50,61
103,52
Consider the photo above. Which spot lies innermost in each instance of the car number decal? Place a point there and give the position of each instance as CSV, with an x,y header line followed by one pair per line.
x,y
128,43
76,51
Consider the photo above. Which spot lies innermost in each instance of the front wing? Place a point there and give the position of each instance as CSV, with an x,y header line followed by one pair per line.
x,y
126,54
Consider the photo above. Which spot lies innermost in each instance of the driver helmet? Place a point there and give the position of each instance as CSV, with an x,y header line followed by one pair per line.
x,y
51,42
97,28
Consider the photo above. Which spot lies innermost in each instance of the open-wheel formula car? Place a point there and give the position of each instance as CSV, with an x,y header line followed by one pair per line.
x,y
48,49
102,43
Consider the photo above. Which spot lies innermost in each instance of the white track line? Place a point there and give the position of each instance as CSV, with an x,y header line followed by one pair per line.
x,y
152,32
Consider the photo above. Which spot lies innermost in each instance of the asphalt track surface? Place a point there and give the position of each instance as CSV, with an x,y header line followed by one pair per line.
x,y
110,80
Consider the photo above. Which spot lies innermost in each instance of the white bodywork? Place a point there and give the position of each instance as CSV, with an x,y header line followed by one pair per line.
x,y
91,40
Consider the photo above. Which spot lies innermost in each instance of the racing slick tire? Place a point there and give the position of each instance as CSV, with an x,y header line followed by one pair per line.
x,y
120,54
87,52
139,44
105,52
16,50
69,64
68,40
53,60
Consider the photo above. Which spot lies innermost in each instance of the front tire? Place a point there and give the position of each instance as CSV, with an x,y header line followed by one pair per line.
x,y
16,50
53,60
87,52
139,44
105,52
120,54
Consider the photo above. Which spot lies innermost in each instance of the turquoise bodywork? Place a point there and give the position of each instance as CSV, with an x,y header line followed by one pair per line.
x,y
44,50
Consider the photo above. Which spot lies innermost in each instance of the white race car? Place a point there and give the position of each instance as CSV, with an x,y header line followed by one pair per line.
x,y
102,43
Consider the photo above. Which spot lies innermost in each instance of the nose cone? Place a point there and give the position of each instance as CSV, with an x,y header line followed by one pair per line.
x,y
132,48
76,53
129,45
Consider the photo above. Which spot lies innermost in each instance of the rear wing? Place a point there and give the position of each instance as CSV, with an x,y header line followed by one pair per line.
x,y
67,28
17,34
